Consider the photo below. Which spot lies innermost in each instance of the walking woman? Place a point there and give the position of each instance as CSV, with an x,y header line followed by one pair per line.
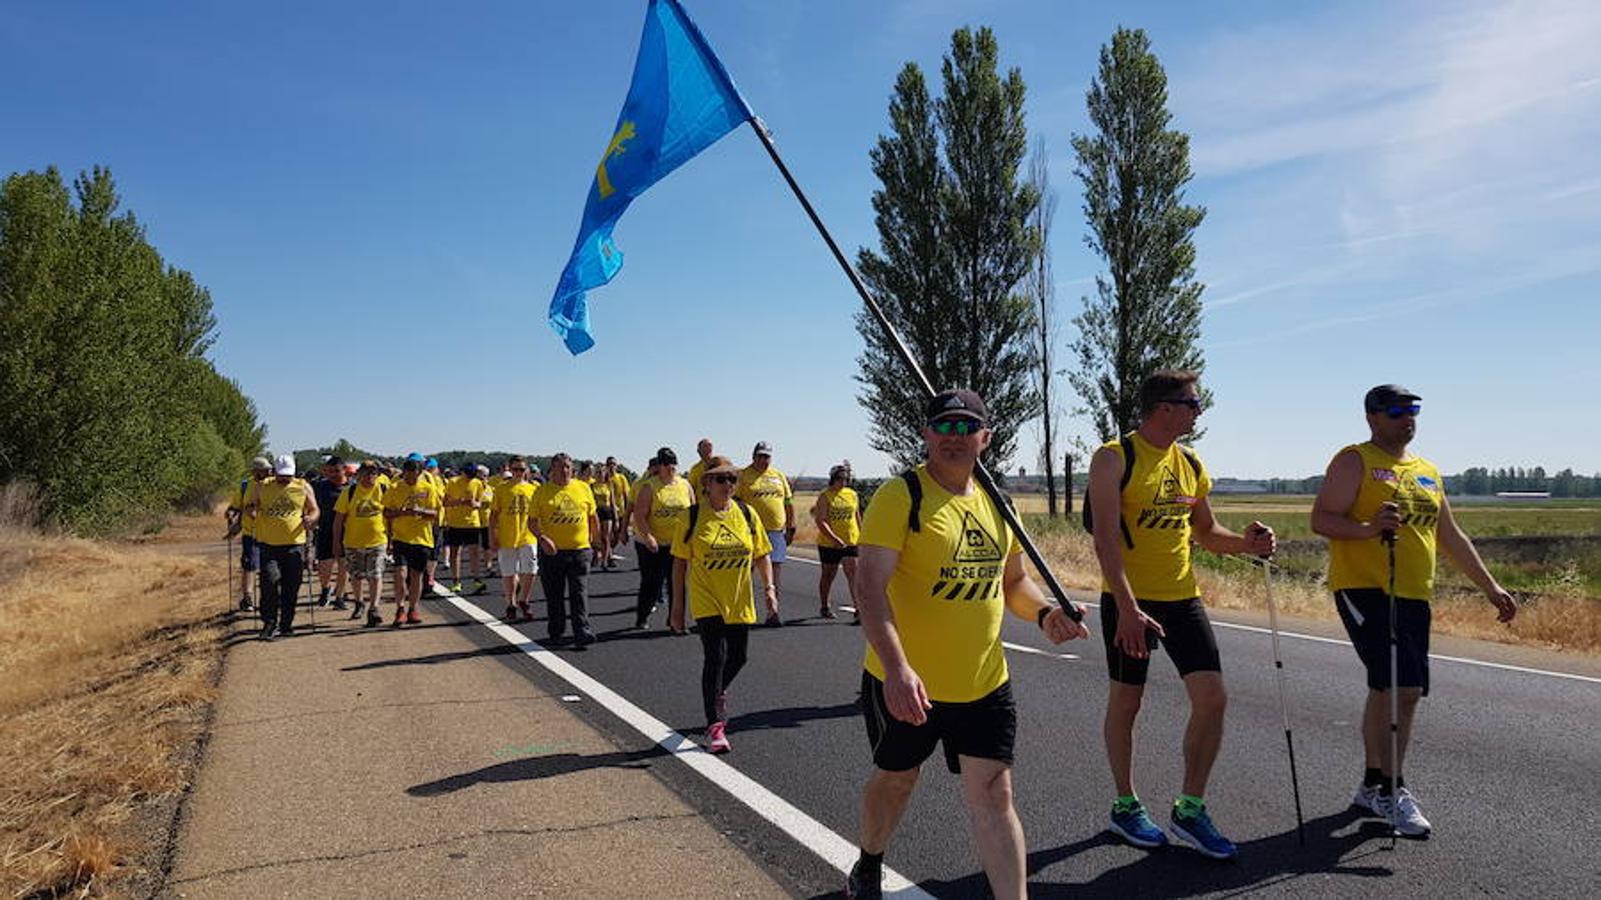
x,y
720,543
838,514
658,519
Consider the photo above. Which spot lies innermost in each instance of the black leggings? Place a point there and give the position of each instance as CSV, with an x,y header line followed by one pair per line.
x,y
725,647
655,577
282,568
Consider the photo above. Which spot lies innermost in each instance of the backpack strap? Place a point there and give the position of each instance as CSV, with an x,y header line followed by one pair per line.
x,y
914,487
694,513
750,518
1127,444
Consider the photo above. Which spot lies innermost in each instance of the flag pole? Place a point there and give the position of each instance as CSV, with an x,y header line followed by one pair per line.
x,y
985,480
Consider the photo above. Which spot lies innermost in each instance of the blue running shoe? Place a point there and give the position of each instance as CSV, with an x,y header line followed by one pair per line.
x,y
1133,824
1198,831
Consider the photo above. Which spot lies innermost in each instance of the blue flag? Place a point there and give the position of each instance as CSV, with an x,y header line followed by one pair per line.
x,y
680,102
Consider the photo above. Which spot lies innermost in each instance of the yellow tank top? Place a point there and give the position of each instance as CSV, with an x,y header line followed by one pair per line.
x,y
279,510
1162,491
1415,485
668,506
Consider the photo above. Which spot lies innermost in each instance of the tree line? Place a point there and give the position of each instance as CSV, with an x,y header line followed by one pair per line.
x,y
1477,482
110,409
963,266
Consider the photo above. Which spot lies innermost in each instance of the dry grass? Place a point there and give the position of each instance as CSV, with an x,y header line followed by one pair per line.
x,y
108,655
1560,619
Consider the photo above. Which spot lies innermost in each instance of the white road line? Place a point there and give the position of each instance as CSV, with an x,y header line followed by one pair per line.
x,y
808,832
1342,642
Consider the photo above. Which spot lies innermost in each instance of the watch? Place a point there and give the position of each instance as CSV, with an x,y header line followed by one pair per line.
x,y
1044,611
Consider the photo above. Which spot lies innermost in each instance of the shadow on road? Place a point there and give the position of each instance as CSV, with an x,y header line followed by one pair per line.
x,y
1275,860
534,767
436,658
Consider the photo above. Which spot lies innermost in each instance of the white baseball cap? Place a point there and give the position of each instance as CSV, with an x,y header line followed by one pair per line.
x,y
283,465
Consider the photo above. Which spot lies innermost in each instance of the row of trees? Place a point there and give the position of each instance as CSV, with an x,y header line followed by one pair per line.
x,y
109,405
1566,483
963,267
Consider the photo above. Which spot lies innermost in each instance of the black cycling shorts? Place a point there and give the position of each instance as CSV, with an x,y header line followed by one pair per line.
x,y
833,556
325,543
986,728
1366,614
415,557
606,513
1189,639
466,537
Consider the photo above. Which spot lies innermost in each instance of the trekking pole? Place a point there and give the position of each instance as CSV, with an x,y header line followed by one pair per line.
x,y
1284,709
311,602
228,593
1395,689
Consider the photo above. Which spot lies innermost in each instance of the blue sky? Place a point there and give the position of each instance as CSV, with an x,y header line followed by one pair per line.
x,y
381,196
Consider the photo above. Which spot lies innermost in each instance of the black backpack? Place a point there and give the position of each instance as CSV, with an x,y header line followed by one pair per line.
x,y
1127,443
914,512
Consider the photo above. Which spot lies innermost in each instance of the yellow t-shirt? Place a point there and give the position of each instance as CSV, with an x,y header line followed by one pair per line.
x,y
946,594
563,511
422,495
510,508
839,509
619,489
247,525
363,509
667,505
601,487
1413,484
384,480
1161,493
720,553
469,489
695,471
279,512
767,493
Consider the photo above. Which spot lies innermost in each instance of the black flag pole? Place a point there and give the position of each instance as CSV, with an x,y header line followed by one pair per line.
x,y
985,480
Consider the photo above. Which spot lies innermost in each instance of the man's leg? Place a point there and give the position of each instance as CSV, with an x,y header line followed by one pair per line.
x,y
271,578
553,579
883,804
293,566
649,584
987,790
1122,709
1376,729
577,578
1203,736
414,583
825,582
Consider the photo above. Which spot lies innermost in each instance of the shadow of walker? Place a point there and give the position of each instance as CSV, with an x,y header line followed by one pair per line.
x,y
535,767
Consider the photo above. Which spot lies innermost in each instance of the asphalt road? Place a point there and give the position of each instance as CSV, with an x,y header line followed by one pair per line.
x,y
1506,764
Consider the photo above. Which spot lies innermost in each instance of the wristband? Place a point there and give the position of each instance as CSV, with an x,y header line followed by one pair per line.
x,y
1044,611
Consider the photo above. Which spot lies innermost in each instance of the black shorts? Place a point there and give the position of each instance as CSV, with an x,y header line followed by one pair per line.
x,y
413,556
466,537
325,543
606,513
249,553
833,556
1366,614
1189,639
986,728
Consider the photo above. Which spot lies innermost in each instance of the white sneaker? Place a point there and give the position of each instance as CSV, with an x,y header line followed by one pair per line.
x,y
1403,813
1365,797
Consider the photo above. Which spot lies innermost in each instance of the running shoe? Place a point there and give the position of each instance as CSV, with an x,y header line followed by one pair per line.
x,y
373,619
1134,824
245,603
827,612
510,615
1366,797
1198,831
1403,813
341,602
413,619
356,613
286,631
479,587
773,621
456,588
717,737
268,632
527,611
322,598
400,619
859,886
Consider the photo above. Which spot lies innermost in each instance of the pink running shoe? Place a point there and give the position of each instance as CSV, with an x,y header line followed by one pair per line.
x,y
717,732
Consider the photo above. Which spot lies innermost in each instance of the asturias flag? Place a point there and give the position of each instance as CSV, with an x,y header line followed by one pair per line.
x,y
680,102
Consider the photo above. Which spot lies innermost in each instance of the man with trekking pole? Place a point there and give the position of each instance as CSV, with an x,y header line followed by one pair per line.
x,y
1384,512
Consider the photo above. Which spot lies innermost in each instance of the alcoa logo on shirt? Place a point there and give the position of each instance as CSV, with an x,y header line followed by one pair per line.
x,y
975,569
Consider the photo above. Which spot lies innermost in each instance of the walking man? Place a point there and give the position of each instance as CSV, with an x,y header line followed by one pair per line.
x,y
1147,501
330,565
465,508
360,535
563,520
703,449
285,510
412,508
512,540
1381,505
245,527
765,489
938,568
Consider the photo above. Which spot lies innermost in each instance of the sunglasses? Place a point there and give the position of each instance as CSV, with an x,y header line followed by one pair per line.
x,y
724,479
518,469
1397,411
1194,403
962,427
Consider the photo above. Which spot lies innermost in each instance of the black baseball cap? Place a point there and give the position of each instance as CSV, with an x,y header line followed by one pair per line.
x,y
665,456
1387,395
957,403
